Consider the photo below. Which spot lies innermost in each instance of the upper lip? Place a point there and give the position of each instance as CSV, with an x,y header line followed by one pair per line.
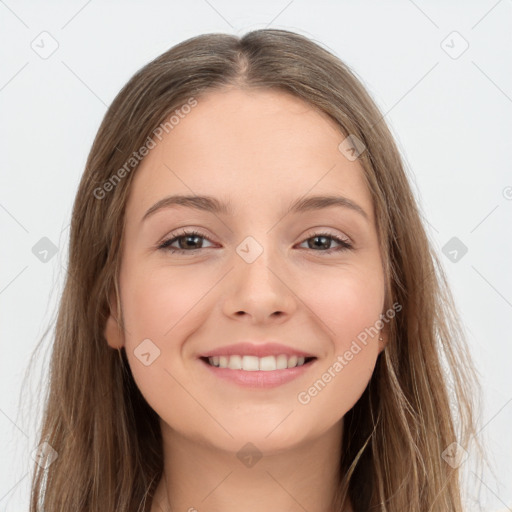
x,y
256,349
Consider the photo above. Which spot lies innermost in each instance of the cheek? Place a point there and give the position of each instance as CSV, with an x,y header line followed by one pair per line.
x,y
162,306
338,383
349,305
157,304
348,302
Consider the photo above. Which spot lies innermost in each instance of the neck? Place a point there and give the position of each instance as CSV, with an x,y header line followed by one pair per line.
x,y
199,476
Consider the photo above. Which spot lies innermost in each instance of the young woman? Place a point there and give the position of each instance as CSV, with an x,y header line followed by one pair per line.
x,y
254,317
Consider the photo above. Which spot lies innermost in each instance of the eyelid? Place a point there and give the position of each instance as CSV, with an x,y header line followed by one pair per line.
x,y
319,231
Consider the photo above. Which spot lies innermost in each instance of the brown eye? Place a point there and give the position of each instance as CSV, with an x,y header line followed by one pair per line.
x,y
187,241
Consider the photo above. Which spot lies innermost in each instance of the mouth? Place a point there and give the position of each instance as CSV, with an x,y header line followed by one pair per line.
x,y
257,372
262,364
251,363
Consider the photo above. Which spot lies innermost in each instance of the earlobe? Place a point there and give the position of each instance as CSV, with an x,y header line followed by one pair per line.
x,y
112,332
383,340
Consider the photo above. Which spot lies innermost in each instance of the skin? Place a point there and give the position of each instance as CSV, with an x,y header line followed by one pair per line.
x,y
260,150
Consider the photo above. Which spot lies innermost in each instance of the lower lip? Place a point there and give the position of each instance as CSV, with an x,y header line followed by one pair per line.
x,y
259,379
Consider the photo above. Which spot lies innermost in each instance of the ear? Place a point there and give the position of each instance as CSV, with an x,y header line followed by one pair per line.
x,y
113,334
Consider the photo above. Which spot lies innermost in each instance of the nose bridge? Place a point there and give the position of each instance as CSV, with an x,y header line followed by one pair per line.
x,y
256,263
258,284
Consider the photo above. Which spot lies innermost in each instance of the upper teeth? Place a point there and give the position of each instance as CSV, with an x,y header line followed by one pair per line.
x,y
253,363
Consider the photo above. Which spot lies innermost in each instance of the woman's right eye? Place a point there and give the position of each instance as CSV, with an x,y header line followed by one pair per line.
x,y
187,246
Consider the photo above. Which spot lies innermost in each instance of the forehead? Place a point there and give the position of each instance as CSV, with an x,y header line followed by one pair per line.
x,y
255,148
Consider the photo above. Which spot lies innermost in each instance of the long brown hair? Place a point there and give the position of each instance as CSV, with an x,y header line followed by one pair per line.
x,y
420,397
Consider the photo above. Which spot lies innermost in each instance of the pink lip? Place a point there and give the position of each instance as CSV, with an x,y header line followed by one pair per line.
x,y
258,379
256,349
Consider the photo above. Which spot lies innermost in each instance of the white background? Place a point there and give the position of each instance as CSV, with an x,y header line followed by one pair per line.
x,y
450,116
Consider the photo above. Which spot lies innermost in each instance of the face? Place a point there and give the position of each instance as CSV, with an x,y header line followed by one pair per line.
x,y
256,271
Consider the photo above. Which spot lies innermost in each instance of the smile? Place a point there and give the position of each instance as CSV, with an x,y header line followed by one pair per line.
x,y
257,372
255,363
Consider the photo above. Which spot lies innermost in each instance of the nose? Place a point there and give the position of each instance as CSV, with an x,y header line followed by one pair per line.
x,y
260,292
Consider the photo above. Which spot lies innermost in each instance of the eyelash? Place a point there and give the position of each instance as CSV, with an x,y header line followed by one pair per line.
x,y
165,245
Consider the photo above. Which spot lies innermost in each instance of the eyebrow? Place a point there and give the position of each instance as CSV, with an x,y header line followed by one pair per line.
x,y
213,205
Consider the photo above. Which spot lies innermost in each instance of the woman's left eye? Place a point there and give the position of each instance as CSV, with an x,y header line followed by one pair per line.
x,y
187,239
325,239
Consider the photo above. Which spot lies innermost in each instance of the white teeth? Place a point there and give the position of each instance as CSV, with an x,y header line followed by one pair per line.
x,y
268,363
281,362
235,362
254,363
250,363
